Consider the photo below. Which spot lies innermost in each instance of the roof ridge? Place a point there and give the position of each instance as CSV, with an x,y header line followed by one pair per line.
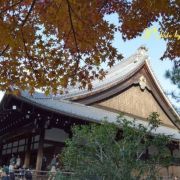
x,y
116,73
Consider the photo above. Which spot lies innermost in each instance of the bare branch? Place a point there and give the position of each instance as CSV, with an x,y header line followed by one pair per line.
x,y
140,155
4,50
72,26
29,12
74,35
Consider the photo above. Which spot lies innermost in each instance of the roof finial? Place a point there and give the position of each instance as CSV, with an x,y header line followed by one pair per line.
x,y
142,50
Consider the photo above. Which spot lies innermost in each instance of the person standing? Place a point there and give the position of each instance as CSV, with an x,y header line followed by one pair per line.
x,y
5,172
44,165
53,163
11,172
18,162
12,160
53,167
28,174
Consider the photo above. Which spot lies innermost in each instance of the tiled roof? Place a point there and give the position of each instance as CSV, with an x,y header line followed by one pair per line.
x,y
61,104
116,74
92,114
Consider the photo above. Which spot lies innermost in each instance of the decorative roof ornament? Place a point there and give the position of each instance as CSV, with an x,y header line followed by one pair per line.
x,y
141,53
142,82
142,50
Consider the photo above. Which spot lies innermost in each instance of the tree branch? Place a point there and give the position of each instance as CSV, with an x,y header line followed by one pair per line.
x,y
29,12
138,158
74,35
72,26
26,51
67,37
102,6
4,50
13,5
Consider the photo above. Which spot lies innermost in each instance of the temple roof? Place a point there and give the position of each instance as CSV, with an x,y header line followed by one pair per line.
x,y
117,74
65,104
90,113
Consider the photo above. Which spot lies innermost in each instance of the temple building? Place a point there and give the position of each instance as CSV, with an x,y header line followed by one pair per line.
x,y
34,126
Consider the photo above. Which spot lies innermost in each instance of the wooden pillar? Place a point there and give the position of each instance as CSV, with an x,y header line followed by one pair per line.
x,y
1,149
40,150
28,152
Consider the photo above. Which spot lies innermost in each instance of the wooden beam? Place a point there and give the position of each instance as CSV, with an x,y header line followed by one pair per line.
x,y
18,131
54,143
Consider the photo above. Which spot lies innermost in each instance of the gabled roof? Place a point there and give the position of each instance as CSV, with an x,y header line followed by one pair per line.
x,y
89,113
117,75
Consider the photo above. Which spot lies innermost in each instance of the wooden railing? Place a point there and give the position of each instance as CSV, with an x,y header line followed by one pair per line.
x,y
47,175
36,175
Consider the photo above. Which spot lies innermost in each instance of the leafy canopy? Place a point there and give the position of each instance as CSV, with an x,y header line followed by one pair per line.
x,y
105,152
174,76
50,44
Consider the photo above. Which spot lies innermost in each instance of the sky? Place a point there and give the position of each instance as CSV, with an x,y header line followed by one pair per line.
x,y
156,47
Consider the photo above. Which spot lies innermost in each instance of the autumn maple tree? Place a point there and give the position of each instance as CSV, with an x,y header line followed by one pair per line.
x,y
52,44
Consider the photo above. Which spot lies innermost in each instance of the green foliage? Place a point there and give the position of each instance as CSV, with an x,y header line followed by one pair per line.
x,y
174,76
154,120
60,176
103,152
